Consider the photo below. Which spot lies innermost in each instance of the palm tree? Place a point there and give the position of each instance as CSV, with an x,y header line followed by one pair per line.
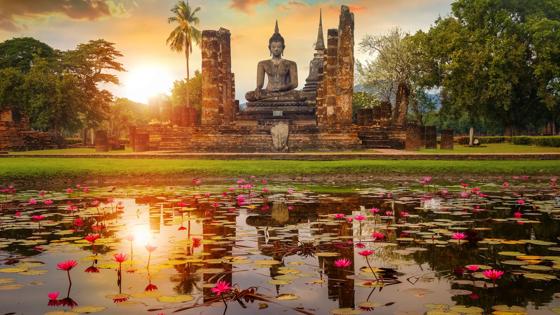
x,y
182,37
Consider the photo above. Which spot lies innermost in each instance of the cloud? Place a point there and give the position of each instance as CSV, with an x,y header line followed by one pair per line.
x,y
74,9
246,6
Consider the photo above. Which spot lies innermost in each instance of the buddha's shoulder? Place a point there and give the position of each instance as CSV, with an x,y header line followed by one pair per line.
x,y
283,61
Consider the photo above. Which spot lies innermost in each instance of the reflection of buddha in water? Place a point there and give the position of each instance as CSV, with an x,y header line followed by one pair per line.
x,y
281,74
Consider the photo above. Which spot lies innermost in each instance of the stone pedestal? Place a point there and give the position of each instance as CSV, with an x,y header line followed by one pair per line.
x,y
131,136
101,141
141,142
446,139
430,137
413,140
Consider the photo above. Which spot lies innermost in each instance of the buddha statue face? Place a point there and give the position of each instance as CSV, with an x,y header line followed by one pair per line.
x,y
276,45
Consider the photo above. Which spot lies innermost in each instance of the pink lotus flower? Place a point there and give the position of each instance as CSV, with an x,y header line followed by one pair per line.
x,y
42,193
151,287
374,210
53,295
18,214
69,190
459,236
464,194
360,245
377,236
342,263
505,185
37,218
150,248
66,265
265,190
493,274
517,215
366,252
473,268
48,202
92,238
92,269
32,201
339,216
181,228
71,208
196,242
389,213
221,287
120,258
290,191
444,191
360,217
240,200
520,202
349,220
404,214
78,222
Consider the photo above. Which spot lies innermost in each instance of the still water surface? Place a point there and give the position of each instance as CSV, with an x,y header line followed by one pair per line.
x,y
279,249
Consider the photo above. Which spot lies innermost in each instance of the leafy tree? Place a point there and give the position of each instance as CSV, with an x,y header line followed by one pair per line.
x,y
125,113
188,93
12,94
19,53
53,99
391,72
494,60
94,63
182,37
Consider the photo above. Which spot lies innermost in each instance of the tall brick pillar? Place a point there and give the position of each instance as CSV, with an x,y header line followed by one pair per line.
x,y
227,97
217,79
326,102
210,78
345,67
334,94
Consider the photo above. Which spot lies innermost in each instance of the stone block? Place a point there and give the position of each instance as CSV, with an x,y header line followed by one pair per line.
x,y
430,137
413,140
446,139
101,141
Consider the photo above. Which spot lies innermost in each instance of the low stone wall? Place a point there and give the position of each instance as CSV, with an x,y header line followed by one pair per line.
x,y
248,139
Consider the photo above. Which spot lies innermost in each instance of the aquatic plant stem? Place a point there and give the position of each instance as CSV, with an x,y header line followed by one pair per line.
x,y
371,268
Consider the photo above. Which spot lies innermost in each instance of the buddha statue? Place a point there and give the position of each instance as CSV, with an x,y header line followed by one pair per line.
x,y
281,74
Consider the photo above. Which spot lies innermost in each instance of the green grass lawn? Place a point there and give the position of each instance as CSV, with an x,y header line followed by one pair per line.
x,y
494,148
85,151
30,168
459,149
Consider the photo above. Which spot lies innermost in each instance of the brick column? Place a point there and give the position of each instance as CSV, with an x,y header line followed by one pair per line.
x,y
345,67
210,78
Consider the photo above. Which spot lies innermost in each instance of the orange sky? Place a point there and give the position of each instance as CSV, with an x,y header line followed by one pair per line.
x,y
139,29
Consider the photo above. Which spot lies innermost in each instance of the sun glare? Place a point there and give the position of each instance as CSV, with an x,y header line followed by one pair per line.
x,y
144,82
142,235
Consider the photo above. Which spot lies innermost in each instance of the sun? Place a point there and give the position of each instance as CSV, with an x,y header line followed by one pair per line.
x,y
144,82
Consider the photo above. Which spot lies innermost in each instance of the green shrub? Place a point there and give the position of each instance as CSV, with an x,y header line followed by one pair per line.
x,y
545,141
483,140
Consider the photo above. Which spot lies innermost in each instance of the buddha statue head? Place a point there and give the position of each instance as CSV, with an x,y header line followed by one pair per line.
x,y
276,43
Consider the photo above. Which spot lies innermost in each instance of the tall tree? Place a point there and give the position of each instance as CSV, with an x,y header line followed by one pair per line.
x,y
391,70
19,53
182,37
95,64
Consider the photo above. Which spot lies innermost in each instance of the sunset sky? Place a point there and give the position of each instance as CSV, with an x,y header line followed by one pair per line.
x,y
139,29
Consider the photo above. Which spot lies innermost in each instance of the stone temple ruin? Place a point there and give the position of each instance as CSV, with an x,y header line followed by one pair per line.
x,y
278,118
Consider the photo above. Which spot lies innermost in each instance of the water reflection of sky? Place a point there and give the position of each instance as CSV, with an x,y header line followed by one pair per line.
x,y
268,229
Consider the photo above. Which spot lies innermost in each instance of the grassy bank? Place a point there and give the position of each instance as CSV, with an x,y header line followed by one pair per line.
x,y
494,148
30,168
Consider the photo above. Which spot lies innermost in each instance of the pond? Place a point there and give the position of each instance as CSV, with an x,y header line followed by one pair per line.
x,y
247,246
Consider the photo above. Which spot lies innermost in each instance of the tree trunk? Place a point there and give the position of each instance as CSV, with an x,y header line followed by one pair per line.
x,y
403,95
471,136
188,75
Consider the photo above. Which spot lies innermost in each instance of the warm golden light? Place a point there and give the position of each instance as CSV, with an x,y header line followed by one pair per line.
x,y
142,235
143,82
